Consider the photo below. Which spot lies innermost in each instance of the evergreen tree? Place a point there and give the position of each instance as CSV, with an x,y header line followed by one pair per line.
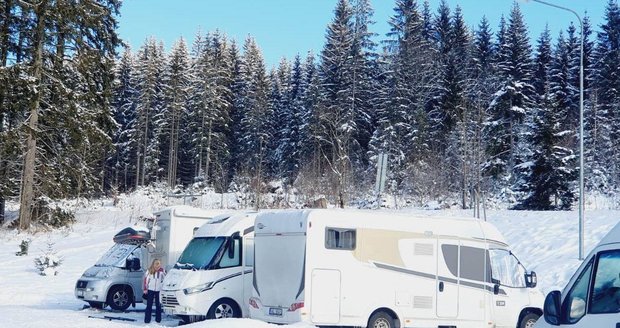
x,y
123,161
511,102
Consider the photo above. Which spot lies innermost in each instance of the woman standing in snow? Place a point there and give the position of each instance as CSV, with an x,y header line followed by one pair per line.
x,y
153,280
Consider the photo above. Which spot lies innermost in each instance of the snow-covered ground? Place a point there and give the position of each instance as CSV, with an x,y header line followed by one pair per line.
x,y
546,242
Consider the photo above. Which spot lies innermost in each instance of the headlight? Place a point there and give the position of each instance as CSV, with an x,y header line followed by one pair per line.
x,y
198,289
104,273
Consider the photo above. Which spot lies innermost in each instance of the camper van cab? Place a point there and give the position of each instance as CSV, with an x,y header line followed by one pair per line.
x,y
116,278
213,275
372,269
592,296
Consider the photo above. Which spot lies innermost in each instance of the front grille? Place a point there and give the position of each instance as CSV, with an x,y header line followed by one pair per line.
x,y
169,300
81,284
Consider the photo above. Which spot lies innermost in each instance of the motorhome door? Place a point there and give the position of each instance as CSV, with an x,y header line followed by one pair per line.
x,y
447,284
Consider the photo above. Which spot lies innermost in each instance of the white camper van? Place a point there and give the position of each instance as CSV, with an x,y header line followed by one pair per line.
x,y
116,278
213,275
591,299
374,269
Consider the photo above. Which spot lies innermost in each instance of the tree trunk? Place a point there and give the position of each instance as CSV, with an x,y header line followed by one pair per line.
x,y
27,189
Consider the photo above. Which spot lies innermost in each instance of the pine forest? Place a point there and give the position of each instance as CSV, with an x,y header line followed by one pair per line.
x,y
462,113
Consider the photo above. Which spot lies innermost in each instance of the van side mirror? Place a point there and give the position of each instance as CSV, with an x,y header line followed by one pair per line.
x,y
531,280
551,310
132,264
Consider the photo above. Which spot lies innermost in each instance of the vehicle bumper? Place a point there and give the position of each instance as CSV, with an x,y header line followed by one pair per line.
x,y
175,302
287,317
91,290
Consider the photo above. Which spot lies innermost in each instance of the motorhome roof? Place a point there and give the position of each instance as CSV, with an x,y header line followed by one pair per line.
x,y
223,225
446,226
191,212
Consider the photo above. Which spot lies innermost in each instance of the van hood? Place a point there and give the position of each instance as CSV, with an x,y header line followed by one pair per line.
x,y
179,279
101,272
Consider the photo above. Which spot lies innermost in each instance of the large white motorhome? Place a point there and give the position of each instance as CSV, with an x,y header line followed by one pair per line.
x,y
116,278
378,269
213,275
591,299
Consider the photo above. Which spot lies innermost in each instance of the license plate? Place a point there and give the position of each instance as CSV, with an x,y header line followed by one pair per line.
x,y
80,293
275,311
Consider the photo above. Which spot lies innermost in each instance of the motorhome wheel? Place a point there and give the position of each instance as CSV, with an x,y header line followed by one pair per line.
x,y
224,309
119,298
529,320
382,320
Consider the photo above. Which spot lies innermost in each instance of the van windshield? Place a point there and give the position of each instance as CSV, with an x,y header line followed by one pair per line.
x,y
199,253
116,256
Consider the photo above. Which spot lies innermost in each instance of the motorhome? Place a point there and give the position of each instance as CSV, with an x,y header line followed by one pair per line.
x,y
592,296
213,275
116,278
385,269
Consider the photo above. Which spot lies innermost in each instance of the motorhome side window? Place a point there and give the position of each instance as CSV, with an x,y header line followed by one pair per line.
x,y
227,261
506,269
574,306
471,262
606,292
339,238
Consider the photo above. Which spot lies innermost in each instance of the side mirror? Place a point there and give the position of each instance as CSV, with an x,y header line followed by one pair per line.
x,y
531,280
135,265
496,289
552,308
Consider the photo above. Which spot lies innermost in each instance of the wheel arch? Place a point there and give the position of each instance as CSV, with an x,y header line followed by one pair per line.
x,y
389,311
527,311
126,287
228,300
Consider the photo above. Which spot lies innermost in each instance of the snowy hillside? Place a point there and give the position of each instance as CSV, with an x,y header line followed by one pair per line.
x,y
546,242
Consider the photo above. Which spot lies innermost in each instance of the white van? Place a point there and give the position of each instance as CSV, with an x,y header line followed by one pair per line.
x,y
378,269
116,278
591,299
213,275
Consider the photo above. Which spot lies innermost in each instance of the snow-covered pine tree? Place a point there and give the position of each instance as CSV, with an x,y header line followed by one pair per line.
x,y
122,163
175,108
150,69
511,102
255,115
550,173
336,105
403,129
606,103
53,32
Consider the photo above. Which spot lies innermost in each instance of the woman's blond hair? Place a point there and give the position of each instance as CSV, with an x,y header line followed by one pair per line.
x,y
152,267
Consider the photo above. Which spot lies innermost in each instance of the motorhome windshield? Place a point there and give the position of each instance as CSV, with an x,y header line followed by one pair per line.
x,y
506,268
115,256
199,253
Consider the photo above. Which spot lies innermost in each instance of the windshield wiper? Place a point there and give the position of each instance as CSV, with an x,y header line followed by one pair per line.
x,y
185,266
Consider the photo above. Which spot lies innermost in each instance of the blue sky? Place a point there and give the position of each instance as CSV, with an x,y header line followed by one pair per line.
x,y
284,28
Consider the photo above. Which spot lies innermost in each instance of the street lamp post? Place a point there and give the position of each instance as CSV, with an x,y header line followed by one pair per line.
x,y
581,195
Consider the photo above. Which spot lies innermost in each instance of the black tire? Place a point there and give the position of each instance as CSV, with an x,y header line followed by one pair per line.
x,y
383,320
119,298
528,320
96,305
224,308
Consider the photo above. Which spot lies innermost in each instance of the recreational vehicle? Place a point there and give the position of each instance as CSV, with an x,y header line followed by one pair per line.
x,y
213,275
374,269
116,278
592,296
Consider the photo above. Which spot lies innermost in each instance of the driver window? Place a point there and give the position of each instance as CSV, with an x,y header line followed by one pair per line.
x,y
226,261
506,269
606,292
574,306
